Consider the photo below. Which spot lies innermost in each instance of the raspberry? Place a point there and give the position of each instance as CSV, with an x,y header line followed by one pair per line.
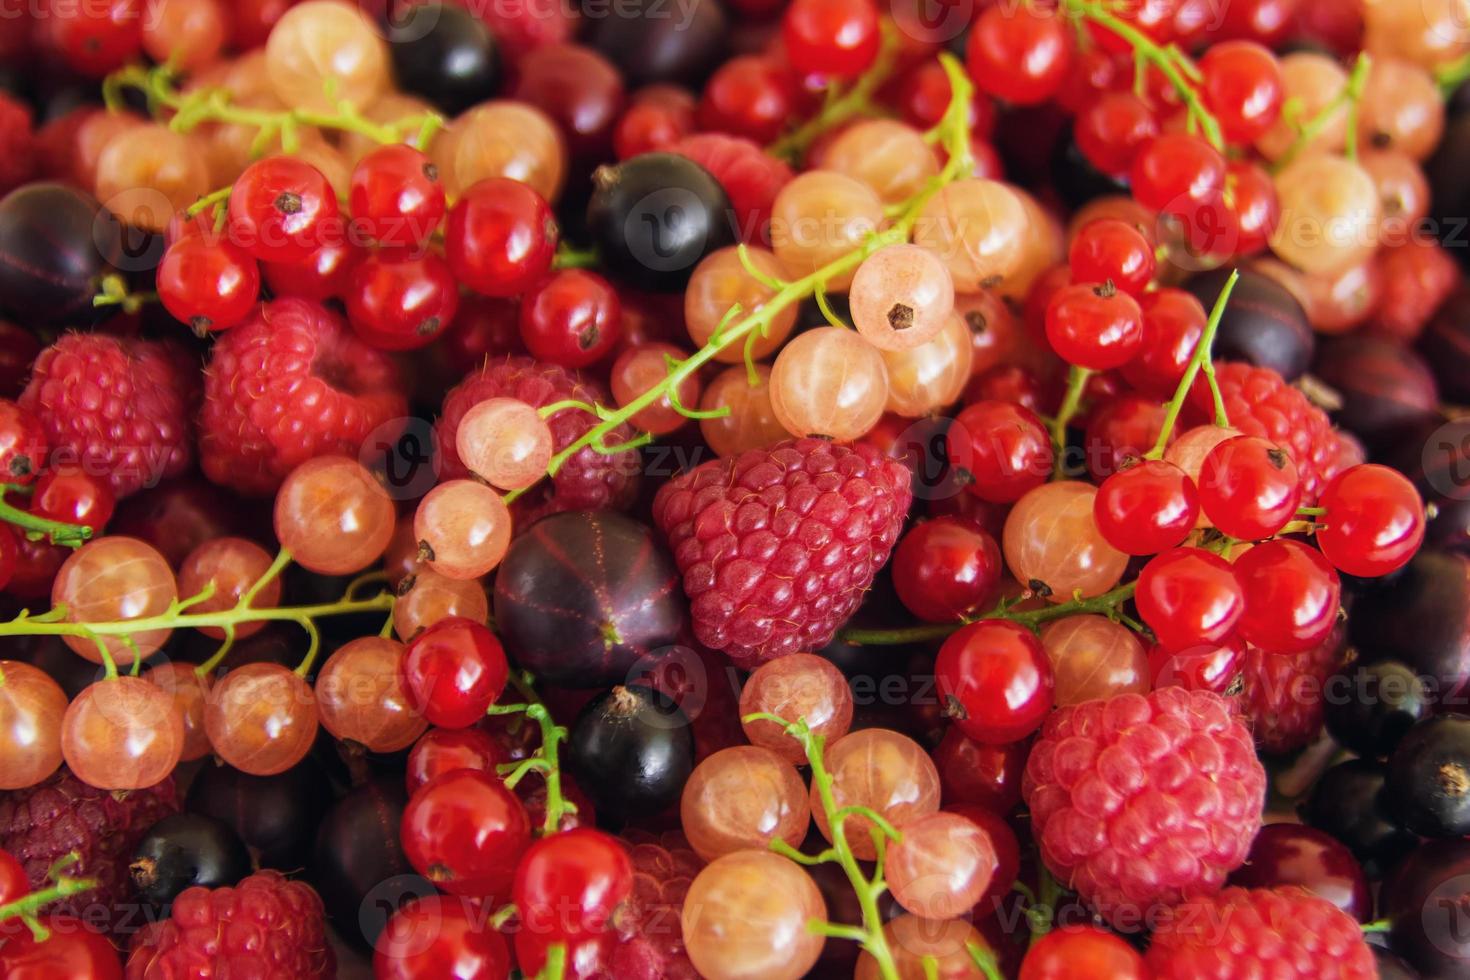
x,y
751,177
17,144
266,926
1259,403
778,546
1283,692
1140,802
589,481
650,941
44,823
1284,933
119,407
285,386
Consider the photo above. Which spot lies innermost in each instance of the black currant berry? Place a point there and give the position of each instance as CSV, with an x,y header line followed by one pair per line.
x,y
1349,803
1427,903
658,41
446,55
55,244
1369,707
583,596
1263,324
1391,966
653,218
184,850
1387,391
1429,777
631,750
276,816
1421,618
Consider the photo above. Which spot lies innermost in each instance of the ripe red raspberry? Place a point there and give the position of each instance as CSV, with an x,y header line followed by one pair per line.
x,y
17,144
1285,933
121,408
1259,403
44,823
750,176
1141,802
589,480
266,926
778,546
1283,692
290,384
650,938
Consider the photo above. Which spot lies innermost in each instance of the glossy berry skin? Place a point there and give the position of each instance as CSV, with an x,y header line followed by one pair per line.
x,y
444,54
1019,55
1094,327
631,750
282,209
1111,128
569,885
1112,250
1375,706
453,671
322,275
1174,172
9,555
1374,521
1004,448
1074,952
98,38
13,881
995,680
834,38
439,936
977,774
1292,596
1173,322
396,197
573,319
465,831
23,444
1428,785
1189,596
401,300
1294,854
1146,508
74,952
1213,667
208,282
1244,88
1249,487
441,750
500,237
71,496
945,569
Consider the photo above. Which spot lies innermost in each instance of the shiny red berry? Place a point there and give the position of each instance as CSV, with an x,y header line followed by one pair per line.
x,y
1094,326
1374,522
1110,130
324,274
453,671
439,936
1243,87
465,832
95,38
1019,53
834,38
500,237
1214,667
396,197
72,496
1188,597
1001,449
945,569
1173,172
1292,596
1146,508
1173,323
751,96
1249,487
568,885
441,750
996,681
573,318
208,282
23,444
282,209
399,300
1074,952
984,775
1112,250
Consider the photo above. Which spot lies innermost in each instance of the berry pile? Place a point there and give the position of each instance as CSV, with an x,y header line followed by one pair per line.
x,y
797,489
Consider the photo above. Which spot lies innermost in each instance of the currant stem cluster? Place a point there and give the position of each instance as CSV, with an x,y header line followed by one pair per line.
x,y
36,528
546,759
1348,99
1202,360
841,105
28,906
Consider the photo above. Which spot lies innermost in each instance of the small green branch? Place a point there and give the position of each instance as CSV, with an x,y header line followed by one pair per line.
x,y
841,106
1201,361
984,961
69,535
28,906
1106,604
1077,379
1349,98
546,759
113,291
568,257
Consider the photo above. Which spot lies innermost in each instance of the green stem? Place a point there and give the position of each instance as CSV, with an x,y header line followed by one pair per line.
x,y
1106,605
1453,75
556,963
208,200
1349,98
1168,60
1201,361
1378,925
856,101
985,961
114,292
1076,383
568,257
28,905
70,535
547,757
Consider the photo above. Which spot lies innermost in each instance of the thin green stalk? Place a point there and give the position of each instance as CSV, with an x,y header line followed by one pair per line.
x,y
856,101
568,257
1201,361
70,535
29,905
1106,604
547,758
1077,379
1349,99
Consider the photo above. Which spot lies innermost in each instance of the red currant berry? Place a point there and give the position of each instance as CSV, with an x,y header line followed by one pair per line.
x,y
573,318
453,671
71,496
1111,250
1019,54
1188,597
397,300
36,565
987,776
438,936
579,89
95,38
1173,323
465,831
568,885
1124,427
1095,327
1007,847
1249,488
396,196
995,680
659,117
1146,508
23,444
586,959
9,559
945,569
1080,953
208,282
923,97
750,96
1002,449
74,951
1007,383
834,38
442,750
1292,596
324,274
1110,130
1244,88
1092,73
1237,221
13,881
1154,18
1214,667
282,209
1265,21
500,237
1374,522
1174,172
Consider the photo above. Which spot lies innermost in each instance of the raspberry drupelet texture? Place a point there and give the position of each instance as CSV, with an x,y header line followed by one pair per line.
x,y
777,546
1141,802
1283,692
589,480
266,926
118,407
650,937
1283,933
287,385
1260,403
44,823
